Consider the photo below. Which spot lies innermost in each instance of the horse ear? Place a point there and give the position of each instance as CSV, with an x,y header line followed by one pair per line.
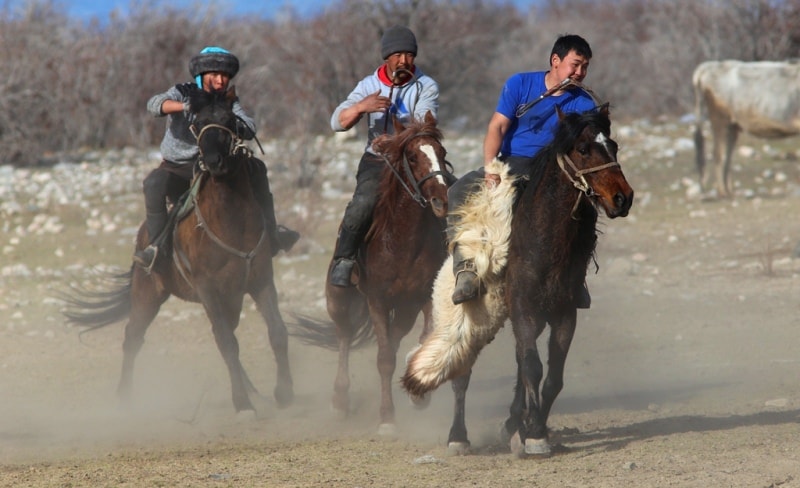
x,y
398,126
559,113
429,118
603,109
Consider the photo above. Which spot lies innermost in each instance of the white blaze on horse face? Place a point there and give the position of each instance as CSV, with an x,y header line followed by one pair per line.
x,y
436,167
603,141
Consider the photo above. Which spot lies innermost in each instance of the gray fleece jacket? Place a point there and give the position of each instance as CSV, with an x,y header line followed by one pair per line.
x,y
179,145
411,100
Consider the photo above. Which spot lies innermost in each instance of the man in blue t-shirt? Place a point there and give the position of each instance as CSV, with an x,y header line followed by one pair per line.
x,y
523,123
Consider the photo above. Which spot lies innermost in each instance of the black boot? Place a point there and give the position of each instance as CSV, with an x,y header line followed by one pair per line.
x,y
155,223
281,238
467,285
344,257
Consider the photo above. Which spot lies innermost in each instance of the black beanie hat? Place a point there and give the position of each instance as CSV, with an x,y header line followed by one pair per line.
x,y
398,39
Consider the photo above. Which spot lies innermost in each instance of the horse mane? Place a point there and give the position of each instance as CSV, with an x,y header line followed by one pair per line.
x,y
390,191
568,129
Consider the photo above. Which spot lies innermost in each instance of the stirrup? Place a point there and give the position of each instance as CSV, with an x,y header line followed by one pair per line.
x,y
467,285
146,258
341,271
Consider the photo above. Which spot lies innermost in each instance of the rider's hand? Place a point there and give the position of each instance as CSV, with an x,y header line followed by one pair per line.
x,y
491,179
374,102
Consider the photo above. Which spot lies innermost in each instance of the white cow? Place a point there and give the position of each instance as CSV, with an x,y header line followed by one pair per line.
x,y
761,98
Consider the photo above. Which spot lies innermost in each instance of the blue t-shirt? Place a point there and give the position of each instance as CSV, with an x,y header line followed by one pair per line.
x,y
535,128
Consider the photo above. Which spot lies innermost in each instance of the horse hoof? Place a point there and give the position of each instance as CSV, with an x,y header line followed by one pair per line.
x,y
420,402
387,430
458,448
245,416
537,447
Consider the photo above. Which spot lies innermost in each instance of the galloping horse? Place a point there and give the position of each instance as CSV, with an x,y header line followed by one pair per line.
x,y
220,252
403,250
549,246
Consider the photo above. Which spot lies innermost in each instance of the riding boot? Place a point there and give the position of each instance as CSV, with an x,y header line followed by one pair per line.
x,y
584,299
467,285
281,238
155,223
344,257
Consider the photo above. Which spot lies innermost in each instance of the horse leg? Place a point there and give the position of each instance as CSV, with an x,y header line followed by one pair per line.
x,y
267,304
347,309
513,423
224,317
533,431
561,333
146,300
457,441
389,332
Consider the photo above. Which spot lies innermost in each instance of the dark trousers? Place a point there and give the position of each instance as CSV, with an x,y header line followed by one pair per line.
x,y
168,181
358,214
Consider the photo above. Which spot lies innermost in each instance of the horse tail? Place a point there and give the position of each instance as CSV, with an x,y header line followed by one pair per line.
x,y
322,334
459,335
97,308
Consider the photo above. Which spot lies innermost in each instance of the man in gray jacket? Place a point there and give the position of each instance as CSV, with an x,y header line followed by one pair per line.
x,y
212,70
397,88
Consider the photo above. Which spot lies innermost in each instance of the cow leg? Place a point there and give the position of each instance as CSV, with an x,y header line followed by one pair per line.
x,y
267,303
146,301
724,176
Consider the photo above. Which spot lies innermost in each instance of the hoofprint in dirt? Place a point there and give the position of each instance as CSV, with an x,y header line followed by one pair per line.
x,y
683,373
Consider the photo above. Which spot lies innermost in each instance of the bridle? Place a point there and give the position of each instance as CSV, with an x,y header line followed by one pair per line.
x,y
236,146
577,179
414,189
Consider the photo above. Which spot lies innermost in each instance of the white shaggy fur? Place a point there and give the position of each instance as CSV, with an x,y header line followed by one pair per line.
x,y
461,331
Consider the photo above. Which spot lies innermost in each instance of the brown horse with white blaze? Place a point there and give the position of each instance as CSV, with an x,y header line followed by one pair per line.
x,y
397,264
220,252
545,254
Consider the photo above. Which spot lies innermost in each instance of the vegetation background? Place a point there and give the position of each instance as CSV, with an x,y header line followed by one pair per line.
x,y
68,85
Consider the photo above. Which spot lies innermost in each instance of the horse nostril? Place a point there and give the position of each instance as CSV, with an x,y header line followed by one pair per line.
x,y
620,200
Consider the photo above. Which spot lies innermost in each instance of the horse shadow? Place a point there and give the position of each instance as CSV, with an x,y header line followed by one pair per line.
x,y
568,440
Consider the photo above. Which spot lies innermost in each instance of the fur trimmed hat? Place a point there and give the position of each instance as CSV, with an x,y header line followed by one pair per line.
x,y
213,59
398,39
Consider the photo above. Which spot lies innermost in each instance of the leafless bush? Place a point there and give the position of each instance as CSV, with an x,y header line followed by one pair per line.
x,y
68,85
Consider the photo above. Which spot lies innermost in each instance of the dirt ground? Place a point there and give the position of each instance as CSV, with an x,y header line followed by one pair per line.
x,y
683,373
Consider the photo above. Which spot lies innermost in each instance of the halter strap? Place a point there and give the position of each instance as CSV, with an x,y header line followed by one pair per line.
x,y
414,191
578,181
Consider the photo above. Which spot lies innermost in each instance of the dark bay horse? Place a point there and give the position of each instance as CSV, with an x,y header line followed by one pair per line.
x,y
552,242
403,251
220,252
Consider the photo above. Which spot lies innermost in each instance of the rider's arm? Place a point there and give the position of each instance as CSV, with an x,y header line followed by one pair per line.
x,y
495,132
